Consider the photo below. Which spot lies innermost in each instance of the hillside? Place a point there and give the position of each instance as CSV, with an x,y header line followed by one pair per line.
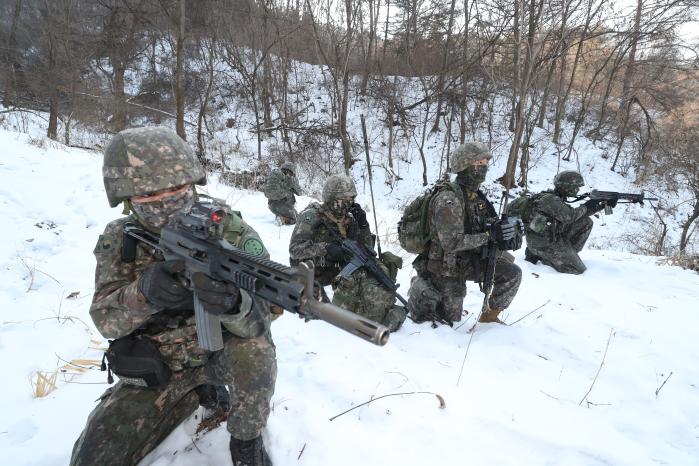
x,y
534,392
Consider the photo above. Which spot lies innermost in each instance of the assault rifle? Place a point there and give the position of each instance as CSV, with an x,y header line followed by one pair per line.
x,y
621,198
362,256
197,239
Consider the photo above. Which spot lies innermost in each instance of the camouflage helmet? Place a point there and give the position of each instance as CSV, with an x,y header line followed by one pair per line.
x,y
291,166
141,161
568,182
338,186
466,154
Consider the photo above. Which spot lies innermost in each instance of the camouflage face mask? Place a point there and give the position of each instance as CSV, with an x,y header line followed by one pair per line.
x,y
340,207
157,214
472,177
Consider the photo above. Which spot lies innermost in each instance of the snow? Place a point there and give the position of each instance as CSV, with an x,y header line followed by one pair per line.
x,y
521,399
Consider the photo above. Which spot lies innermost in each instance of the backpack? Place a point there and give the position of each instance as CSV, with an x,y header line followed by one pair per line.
x,y
413,227
275,187
523,206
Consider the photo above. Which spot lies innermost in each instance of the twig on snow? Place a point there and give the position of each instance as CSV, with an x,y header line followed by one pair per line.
x,y
442,404
662,384
599,369
301,452
530,313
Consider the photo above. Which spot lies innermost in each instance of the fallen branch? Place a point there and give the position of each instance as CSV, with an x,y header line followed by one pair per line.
x,y
662,385
442,404
301,452
530,313
604,357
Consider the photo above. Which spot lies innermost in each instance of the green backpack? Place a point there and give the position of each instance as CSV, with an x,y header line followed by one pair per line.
x,y
413,227
523,206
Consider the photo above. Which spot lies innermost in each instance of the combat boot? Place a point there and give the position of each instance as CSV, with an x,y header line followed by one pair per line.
x,y
214,397
530,256
249,452
491,316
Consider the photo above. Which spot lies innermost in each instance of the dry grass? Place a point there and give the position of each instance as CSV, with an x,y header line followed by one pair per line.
x,y
43,383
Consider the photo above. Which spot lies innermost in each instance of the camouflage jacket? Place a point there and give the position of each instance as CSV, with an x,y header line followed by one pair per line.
x,y
457,229
315,229
281,186
549,213
119,309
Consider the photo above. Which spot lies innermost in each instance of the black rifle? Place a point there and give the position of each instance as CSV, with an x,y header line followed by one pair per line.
x,y
362,256
621,198
197,239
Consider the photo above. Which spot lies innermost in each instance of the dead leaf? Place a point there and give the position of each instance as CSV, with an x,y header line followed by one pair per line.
x,y
73,295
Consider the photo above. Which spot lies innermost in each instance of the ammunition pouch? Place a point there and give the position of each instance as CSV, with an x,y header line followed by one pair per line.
x,y
136,361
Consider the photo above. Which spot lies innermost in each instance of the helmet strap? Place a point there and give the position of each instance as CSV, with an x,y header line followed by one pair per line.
x,y
127,207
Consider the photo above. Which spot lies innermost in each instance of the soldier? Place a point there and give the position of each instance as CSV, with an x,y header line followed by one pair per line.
x,y
279,189
557,232
461,222
316,237
145,308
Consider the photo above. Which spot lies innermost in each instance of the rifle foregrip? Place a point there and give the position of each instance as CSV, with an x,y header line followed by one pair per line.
x,y
359,326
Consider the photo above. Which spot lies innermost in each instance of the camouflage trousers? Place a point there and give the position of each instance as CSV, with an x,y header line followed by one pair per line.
x,y
283,208
561,252
364,295
441,298
130,421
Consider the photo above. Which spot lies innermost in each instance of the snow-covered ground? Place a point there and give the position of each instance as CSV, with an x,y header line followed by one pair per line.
x,y
522,400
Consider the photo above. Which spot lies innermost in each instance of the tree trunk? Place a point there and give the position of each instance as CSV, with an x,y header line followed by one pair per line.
x,y
179,72
684,238
515,66
631,65
119,121
464,77
545,97
440,79
11,58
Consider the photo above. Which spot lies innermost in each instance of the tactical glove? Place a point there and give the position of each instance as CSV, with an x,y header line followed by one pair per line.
x,y
359,215
217,297
334,253
162,288
593,205
502,234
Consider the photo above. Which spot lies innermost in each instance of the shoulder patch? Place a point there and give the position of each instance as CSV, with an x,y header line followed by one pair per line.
x,y
254,246
105,243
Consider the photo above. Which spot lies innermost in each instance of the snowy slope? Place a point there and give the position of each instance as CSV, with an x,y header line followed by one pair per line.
x,y
518,401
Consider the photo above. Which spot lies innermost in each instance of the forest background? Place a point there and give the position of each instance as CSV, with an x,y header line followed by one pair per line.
x,y
231,77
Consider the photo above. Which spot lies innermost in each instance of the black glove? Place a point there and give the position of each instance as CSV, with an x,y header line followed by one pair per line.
x,y
502,234
334,253
216,296
612,202
593,205
359,215
162,288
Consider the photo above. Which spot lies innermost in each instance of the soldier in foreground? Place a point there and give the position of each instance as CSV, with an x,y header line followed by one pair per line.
x,y
143,306
317,237
280,190
461,223
556,232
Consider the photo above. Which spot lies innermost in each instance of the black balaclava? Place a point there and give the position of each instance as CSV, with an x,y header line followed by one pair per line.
x,y
472,177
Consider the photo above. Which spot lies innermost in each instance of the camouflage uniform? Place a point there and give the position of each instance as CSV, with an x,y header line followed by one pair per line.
x,y
457,222
556,232
280,190
360,293
130,421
